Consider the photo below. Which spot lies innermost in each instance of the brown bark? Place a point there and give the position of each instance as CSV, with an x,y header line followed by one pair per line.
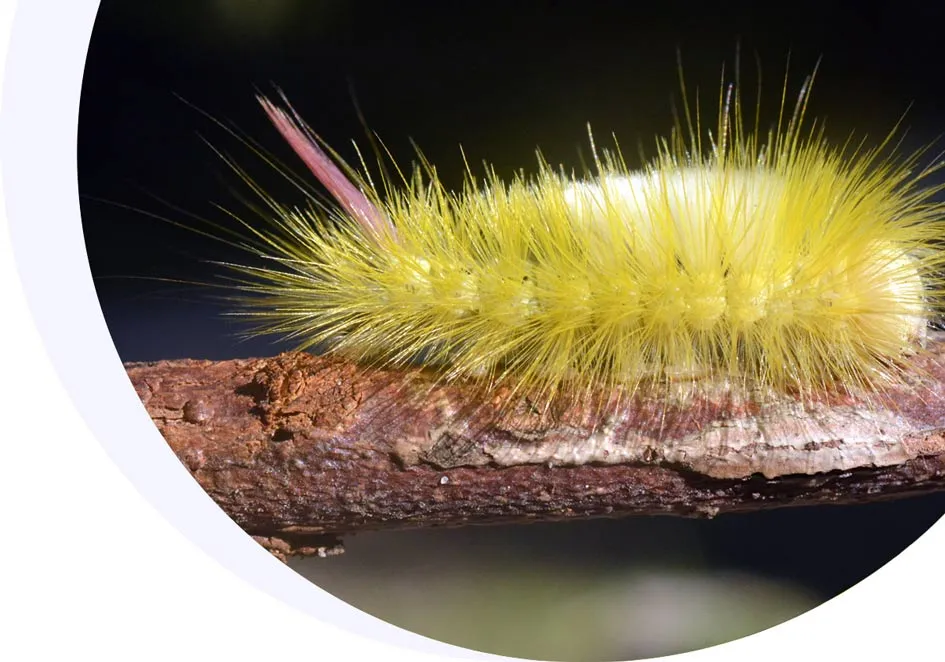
x,y
299,449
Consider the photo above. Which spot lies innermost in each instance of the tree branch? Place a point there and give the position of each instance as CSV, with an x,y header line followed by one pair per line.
x,y
299,449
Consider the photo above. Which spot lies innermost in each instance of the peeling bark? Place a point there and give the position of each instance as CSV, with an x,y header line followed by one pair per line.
x,y
300,449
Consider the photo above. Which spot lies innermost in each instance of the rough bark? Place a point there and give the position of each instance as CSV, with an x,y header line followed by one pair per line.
x,y
299,449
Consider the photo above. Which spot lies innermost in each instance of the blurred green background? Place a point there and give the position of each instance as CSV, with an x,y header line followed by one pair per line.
x,y
500,78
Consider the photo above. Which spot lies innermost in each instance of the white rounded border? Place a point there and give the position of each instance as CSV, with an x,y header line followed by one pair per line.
x,y
882,617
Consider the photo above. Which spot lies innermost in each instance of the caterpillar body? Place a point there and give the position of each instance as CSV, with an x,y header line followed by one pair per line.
x,y
764,260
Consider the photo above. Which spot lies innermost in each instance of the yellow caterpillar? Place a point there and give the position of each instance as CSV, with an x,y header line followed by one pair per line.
x,y
768,260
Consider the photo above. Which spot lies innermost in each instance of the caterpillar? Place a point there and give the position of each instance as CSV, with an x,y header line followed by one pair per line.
x,y
767,260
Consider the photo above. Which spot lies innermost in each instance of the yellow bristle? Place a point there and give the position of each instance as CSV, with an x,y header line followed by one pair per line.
x,y
771,261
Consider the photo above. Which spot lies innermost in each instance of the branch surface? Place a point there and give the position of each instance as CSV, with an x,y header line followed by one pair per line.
x,y
300,449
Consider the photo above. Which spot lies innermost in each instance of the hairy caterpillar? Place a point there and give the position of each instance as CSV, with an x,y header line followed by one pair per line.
x,y
766,260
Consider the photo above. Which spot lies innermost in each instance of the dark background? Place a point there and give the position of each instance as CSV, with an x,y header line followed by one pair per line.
x,y
500,78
